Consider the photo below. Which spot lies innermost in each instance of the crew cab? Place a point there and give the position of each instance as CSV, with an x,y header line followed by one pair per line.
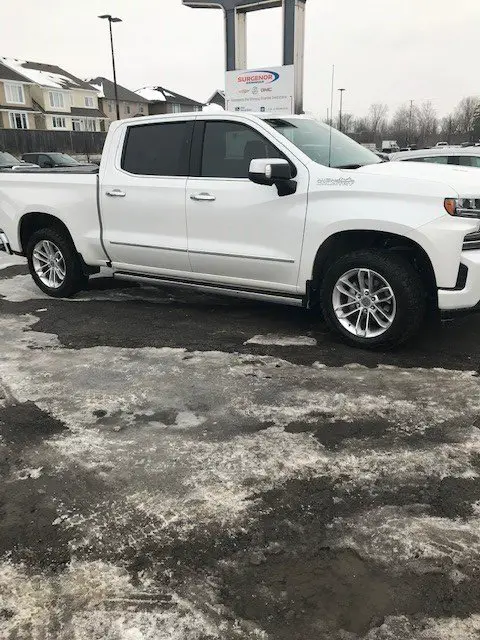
x,y
282,209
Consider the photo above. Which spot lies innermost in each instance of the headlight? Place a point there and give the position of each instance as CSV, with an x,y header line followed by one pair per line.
x,y
463,207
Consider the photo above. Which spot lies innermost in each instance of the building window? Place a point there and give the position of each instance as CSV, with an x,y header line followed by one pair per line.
x,y
56,99
141,108
14,93
89,101
18,120
176,108
110,107
78,124
59,122
91,124
127,109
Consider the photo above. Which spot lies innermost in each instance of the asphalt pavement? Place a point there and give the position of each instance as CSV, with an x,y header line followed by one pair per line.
x,y
180,466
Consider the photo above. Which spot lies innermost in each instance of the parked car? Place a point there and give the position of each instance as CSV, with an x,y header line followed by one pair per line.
x,y
7,161
442,144
459,156
390,146
49,160
280,209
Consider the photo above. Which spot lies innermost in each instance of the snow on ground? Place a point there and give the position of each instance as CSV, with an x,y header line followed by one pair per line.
x,y
10,261
283,341
158,451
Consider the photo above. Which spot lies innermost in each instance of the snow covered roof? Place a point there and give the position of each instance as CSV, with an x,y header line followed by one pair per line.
x,y
99,88
213,108
106,90
46,75
217,93
152,94
160,94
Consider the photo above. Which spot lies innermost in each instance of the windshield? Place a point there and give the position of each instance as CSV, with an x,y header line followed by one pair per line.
x,y
7,160
62,159
313,138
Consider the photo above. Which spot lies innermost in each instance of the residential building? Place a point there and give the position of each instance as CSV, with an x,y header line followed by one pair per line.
x,y
217,98
59,100
130,103
165,101
16,105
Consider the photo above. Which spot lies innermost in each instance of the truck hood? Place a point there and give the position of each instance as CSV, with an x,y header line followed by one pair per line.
x,y
465,181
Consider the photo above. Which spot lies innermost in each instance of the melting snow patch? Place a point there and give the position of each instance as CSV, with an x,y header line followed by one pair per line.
x,y
283,341
25,474
392,535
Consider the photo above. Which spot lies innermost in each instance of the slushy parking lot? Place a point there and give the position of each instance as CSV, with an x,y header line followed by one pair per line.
x,y
188,467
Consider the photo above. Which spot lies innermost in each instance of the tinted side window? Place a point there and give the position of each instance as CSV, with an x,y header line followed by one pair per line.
x,y
437,159
229,147
160,149
413,160
44,161
470,161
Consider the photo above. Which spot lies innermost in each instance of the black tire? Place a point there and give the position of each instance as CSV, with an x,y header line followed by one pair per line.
x,y
75,279
410,296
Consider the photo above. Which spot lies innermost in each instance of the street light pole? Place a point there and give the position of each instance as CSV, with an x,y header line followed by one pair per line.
x,y
410,123
341,105
110,20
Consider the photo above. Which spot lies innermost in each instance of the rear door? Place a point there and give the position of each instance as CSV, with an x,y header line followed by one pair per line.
x,y
239,232
142,198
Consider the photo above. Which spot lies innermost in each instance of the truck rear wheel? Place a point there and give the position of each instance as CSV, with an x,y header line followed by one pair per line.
x,y
54,263
373,299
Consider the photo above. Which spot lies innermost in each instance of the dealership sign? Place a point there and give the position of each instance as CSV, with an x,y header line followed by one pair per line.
x,y
269,90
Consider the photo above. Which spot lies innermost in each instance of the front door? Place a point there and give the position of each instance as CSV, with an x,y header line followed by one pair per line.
x,y
239,232
143,199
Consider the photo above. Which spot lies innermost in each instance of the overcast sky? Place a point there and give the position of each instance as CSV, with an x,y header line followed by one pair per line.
x,y
384,50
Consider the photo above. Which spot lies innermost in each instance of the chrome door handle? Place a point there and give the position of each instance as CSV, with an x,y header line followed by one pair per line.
x,y
202,196
116,193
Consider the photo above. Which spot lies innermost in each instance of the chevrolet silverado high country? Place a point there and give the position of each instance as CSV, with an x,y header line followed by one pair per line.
x,y
273,208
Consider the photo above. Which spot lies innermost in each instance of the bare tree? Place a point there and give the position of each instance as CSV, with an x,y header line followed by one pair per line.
x,y
348,121
361,129
449,127
403,125
377,115
465,113
427,121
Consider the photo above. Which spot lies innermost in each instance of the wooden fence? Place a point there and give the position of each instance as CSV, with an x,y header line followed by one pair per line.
x,y
19,141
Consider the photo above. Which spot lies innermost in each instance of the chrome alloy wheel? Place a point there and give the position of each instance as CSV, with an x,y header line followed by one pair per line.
x,y
364,303
49,264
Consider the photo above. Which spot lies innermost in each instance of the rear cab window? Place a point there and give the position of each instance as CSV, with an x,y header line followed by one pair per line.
x,y
158,149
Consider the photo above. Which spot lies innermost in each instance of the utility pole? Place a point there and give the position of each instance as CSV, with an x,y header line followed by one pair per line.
x,y
110,20
340,113
410,123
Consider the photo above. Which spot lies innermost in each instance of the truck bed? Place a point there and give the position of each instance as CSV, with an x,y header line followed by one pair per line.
x,y
69,194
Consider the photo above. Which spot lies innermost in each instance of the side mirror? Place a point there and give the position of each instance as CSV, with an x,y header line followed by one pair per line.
x,y
273,171
269,171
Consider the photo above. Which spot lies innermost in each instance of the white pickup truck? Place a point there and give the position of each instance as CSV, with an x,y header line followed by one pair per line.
x,y
273,208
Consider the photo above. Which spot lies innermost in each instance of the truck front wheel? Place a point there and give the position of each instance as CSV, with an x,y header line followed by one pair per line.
x,y
54,263
373,299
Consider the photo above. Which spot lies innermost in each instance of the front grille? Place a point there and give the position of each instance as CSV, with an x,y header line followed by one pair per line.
x,y
471,241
